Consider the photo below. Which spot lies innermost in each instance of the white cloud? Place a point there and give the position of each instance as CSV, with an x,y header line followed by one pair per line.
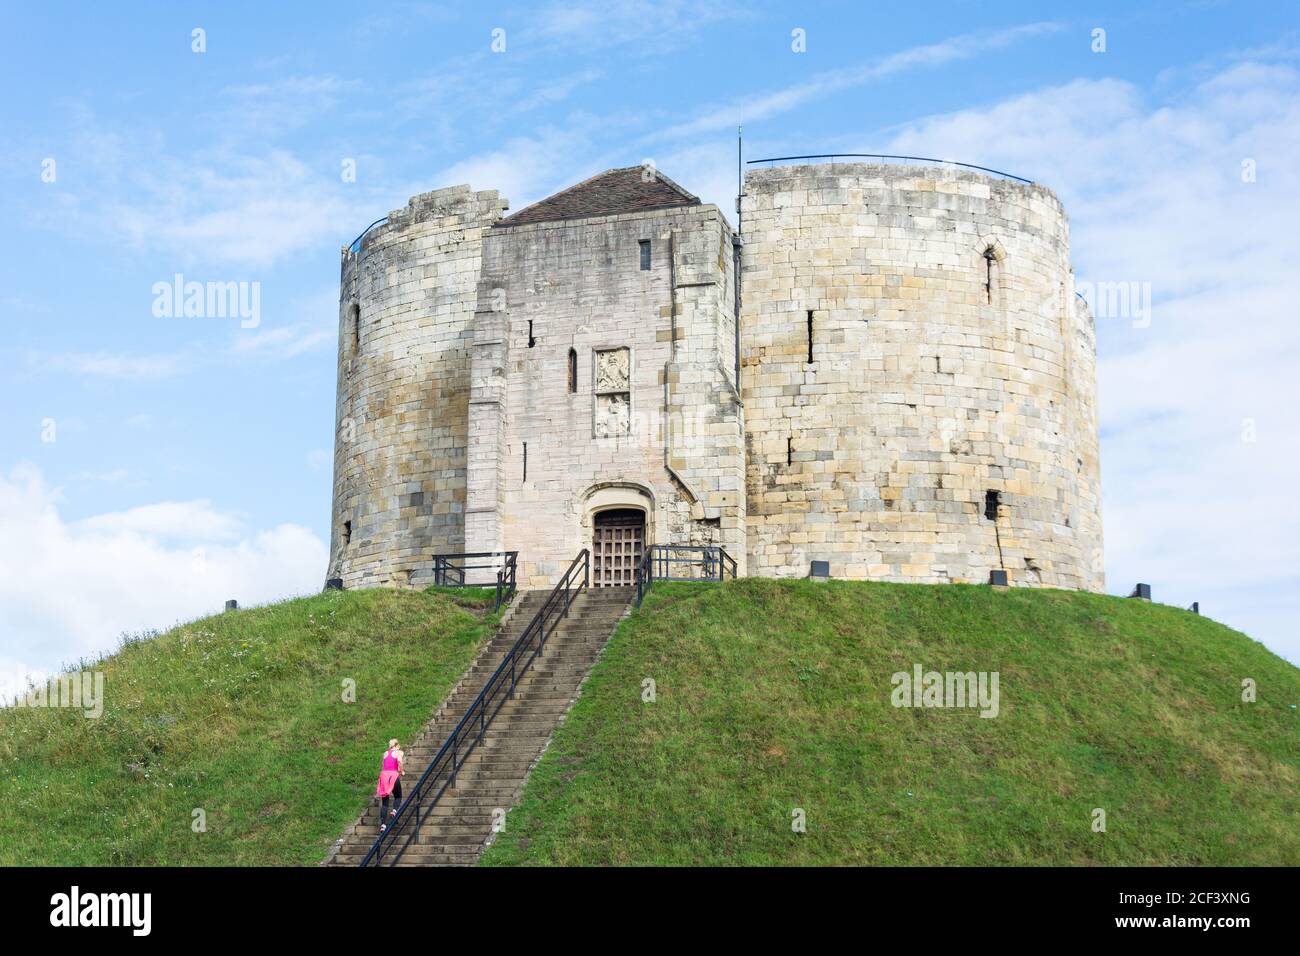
x,y
214,208
1155,194
313,325
751,109
528,168
288,102
69,589
191,521
116,365
249,211
654,26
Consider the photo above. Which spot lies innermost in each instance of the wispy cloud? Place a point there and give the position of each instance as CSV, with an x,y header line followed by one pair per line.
x,y
124,366
285,103
654,26
763,106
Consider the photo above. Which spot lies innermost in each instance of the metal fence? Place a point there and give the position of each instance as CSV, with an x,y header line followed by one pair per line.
x,y
889,156
449,570
667,562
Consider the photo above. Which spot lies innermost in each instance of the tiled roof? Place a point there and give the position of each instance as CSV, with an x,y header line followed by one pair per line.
x,y
611,193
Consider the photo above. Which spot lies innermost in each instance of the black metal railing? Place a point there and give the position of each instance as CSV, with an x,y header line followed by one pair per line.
x,y
668,562
910,159
440,775
449,570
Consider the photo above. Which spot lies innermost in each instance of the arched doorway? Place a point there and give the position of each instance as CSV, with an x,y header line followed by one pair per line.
x,y
618,540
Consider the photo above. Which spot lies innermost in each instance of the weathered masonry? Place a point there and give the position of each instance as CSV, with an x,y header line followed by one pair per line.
x,y
890,374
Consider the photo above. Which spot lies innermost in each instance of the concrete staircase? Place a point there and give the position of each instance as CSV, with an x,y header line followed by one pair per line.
x,y
491,780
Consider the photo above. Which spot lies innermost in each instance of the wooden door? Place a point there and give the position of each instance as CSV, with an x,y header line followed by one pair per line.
x,y
618,542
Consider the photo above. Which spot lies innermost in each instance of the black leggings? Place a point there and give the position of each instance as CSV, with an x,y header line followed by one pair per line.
x,y
397,801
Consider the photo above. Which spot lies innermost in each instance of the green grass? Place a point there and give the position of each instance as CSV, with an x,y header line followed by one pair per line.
x,y
775,696
240,715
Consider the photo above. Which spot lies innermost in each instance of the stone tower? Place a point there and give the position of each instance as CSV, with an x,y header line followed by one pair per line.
x,y
918,379
891,374
407,293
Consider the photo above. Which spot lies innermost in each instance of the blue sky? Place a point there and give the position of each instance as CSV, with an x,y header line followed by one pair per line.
x,y
190,458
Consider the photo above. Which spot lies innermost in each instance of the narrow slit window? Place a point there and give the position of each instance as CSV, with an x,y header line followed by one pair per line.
x,y
356,329
347,533
991,501
991,277
531,341
573,371
645,254
525,461
810,336
789,451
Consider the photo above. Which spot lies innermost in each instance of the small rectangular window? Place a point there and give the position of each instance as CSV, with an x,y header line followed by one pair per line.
x,y
810,336
347,533
645,255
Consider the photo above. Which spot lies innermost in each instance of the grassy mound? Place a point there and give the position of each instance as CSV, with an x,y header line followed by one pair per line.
x,y
241,716
775,697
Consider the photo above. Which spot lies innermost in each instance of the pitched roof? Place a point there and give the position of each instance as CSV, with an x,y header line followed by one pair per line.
x,y
612,193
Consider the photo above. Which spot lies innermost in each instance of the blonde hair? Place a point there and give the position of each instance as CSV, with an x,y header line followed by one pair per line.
x,y
392,744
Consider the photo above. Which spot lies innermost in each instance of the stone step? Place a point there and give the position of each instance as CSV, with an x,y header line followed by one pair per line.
x,y
415,855
492,775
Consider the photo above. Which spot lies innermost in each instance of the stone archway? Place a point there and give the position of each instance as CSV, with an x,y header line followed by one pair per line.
x,y
618,523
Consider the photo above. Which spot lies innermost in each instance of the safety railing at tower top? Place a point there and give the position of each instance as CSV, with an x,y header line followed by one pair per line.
x,y
449,570
668,562
355,244
440,775
907,159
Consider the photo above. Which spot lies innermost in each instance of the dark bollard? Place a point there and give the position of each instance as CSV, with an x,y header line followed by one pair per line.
x,y
1142,592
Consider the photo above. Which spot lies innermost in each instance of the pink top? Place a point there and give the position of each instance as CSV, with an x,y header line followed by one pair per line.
x,y
388,776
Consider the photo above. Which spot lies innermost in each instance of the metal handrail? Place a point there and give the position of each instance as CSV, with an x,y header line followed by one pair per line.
x,y
440,775
914,159
658,561
446,574
355,244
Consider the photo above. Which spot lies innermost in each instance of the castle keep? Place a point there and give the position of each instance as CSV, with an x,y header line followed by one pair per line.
x,y
889,372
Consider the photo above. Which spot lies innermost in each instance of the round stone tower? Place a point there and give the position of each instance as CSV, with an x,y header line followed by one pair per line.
x,y
408,291
919,379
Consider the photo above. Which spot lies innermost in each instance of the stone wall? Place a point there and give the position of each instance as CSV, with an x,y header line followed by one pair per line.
x,y
406,305
654,420
950,359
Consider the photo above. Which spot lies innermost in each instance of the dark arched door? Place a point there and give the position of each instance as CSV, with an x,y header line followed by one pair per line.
x,y
618,539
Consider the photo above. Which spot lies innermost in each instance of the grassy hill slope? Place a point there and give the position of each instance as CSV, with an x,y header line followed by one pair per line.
x,y
240,715
776,696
